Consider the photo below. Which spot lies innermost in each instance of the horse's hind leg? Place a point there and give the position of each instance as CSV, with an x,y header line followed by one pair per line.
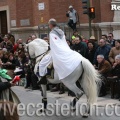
x,y
71,84
87,111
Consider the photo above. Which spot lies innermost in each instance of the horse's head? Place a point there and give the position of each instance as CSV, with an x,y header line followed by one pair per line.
x,y
37,47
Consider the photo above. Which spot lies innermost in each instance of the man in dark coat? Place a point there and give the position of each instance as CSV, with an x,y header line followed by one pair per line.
x,y
104,68
79,46
103,49
111,40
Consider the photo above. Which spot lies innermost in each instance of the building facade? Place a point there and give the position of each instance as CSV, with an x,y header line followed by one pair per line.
x,y
22,17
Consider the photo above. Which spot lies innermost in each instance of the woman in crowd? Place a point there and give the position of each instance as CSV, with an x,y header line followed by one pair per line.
x,y
11,64
22,59
20,48
5,57
16,55
90,51
9,47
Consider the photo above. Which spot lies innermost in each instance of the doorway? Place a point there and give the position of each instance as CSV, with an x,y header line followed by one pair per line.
x,y
3,22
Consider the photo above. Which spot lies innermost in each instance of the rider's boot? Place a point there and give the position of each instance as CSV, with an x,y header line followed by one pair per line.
x,y
43,81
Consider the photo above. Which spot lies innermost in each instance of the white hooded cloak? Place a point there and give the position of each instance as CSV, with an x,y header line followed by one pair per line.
x,y
65,60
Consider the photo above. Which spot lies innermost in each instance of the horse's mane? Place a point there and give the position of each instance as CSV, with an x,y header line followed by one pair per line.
x,y
40,42
37,46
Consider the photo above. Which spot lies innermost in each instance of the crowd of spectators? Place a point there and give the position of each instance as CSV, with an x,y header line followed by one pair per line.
x,y
13,55
104,54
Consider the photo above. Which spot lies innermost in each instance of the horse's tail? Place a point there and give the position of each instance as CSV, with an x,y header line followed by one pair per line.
x,y
89,81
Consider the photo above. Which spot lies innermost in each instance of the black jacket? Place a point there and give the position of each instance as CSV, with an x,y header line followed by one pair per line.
x,y
14,64
80,48
116,71
90,55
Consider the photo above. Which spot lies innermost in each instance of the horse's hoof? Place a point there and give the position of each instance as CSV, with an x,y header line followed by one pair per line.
x,y
85,115
73,110
42,110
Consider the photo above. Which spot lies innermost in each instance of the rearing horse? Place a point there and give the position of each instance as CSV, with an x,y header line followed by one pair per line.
x,y
85,73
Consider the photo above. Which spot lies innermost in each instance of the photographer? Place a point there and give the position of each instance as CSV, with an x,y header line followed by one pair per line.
x,y
73,17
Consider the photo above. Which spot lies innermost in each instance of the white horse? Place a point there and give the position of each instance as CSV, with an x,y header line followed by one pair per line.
x,y
85,73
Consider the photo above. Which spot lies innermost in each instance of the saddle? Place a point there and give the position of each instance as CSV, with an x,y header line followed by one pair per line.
x,y
50,71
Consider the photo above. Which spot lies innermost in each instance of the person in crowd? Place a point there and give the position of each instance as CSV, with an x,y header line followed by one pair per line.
x,y
90,51
29,39
104,68
73,18
5,40
11,63
34,36
28,73
79,46
1,54
103,49
20,48
72,43
34,78
115,78
94,40
84,39
105,37
111,40
114,51
9,47
20,41
11,38
23,61
75,34
16,46
16,55
69,43
5,57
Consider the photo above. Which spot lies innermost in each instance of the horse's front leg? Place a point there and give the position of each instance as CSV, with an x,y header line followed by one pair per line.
x,y
44,99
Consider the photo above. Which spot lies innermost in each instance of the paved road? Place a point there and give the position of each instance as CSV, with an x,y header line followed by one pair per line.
x,y
34,97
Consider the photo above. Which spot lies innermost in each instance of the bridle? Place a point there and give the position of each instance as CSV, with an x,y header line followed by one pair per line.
x,y
43,54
